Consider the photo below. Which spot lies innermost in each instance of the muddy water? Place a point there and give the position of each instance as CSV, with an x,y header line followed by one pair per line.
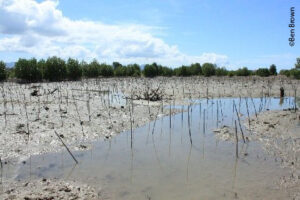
x,y
185,161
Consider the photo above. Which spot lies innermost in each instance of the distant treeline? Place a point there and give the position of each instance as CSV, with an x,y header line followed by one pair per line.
x,y
57,69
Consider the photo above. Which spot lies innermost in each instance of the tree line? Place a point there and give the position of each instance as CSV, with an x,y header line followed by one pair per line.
x,y
57,69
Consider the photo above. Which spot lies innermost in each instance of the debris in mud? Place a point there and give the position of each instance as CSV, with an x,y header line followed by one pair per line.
x,y
34,93
225,133
46,189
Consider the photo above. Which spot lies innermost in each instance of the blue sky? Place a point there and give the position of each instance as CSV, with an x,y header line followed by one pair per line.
x,y
232,33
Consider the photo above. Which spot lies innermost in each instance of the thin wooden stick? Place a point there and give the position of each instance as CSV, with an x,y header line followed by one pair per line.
x,y
237,114
248,112
66,147
237,141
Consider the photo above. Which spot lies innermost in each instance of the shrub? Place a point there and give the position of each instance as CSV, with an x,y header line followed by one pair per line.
x,y
74,71
27,70
273,70
55,69
3,72
208,69
263,72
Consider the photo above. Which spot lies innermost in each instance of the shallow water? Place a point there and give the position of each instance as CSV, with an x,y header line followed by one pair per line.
x,y
181,162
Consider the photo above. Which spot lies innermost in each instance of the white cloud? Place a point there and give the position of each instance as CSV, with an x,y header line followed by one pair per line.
x,y
41,30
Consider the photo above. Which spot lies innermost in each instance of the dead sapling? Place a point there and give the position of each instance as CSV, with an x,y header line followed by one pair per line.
x,y
88,106
27,118
4,106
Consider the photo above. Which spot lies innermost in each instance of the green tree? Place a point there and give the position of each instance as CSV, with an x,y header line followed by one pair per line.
x,y
133,70
74,70
221,71
3,72
116,65
231,73
295,73
27,70
263,72
166,71
195,69
106,70
285,72
91,70
150,70
55,69
183,71
243,72
120,71
273,70
208,69
41,65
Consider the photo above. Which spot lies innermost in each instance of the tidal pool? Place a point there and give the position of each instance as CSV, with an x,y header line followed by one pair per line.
x,y
174,158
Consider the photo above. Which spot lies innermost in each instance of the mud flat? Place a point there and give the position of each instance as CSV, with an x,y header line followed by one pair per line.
x,y
89,110
81,112
279,132
49,189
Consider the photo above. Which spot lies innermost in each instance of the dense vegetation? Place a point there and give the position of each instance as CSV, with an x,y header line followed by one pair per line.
x,y
3,73
57,69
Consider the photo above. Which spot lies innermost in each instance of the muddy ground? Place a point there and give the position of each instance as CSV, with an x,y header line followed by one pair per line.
x,y
84,111
279,133
49,190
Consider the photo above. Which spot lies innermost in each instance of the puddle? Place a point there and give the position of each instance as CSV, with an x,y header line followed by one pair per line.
x,y
180,162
